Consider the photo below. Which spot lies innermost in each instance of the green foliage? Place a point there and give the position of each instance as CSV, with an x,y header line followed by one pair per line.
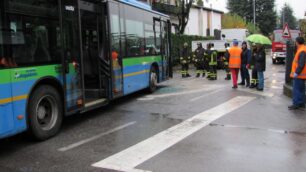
x,y
235,21
252,28
179,40
303,27
232,21
286,15
265,13
200,2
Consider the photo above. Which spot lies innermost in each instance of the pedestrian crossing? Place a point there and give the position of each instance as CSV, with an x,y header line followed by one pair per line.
x,y
133,156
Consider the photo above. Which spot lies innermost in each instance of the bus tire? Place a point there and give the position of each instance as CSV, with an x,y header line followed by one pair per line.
x,y
153,79
45,112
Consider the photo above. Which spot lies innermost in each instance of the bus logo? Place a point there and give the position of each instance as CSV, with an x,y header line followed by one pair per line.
x,y
25,74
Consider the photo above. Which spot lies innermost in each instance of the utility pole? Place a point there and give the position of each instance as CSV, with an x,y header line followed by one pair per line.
x,y
254,14
283,17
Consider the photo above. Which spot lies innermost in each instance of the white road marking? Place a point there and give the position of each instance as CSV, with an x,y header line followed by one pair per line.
x,y
205,88
205,95
130,158
254,91
82,142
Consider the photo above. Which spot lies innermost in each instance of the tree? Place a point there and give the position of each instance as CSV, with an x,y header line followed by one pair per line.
x,y
265,13
200,2
232,21
302,24
235,21
286,16
183,17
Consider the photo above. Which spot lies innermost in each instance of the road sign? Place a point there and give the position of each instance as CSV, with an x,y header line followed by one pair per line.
x,y
286,32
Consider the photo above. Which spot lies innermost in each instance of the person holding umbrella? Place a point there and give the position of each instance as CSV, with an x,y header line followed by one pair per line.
x,y
260,57
260,65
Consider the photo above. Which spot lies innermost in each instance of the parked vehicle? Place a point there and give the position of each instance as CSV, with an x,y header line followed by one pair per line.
x,y
279,45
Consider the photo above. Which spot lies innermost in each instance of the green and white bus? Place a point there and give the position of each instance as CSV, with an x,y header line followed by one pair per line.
x,y
60,57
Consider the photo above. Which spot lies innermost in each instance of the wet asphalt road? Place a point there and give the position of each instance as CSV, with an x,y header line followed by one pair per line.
x,y
260,135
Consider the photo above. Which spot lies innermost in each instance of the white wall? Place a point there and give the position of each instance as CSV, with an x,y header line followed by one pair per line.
x,y
198,22
192,27
216,21
205,24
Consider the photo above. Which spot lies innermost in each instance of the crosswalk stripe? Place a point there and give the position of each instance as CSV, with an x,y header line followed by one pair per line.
x,y
133,156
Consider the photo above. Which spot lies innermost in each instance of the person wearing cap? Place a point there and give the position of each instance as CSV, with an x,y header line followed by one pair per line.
x,y
199,60
212,56
260,65
225,62
185,60
298,73
235,62
245,60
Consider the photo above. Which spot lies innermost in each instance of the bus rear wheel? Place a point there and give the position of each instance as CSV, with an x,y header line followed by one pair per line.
x,y
45,110
153,79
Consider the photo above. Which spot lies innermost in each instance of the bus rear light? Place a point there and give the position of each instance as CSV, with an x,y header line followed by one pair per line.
x,y
75,64
20,117
80,102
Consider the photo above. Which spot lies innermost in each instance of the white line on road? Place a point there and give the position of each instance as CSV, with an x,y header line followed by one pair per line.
x,y
205,95
254,91
206,88
82,142
130,158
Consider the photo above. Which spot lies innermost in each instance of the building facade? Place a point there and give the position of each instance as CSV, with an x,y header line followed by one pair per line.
x,y
203,21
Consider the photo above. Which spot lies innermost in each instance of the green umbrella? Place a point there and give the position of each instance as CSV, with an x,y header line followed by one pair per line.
x,y
259,39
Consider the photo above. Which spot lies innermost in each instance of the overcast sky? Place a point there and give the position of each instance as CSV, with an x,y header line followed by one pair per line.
x,y
298,6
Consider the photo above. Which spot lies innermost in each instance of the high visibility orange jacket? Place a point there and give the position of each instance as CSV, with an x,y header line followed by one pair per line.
x,y
234,57
295,64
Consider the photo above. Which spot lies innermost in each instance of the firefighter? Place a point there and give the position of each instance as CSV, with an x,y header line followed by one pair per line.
x,y
225,61
199,60
185,59
212,55
254,80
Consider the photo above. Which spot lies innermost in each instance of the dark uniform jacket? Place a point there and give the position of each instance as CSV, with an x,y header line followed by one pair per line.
x,y
212,57
260,60
185,54
252,61
246,56
199,55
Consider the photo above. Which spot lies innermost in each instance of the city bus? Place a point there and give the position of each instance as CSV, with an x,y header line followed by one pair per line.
x,y
61,57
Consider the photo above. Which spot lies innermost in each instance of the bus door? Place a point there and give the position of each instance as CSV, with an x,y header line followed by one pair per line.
x,y
165,37
96,65
162,42
116,34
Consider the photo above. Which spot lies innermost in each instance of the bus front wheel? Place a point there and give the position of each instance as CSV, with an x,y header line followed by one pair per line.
x,y
153,79
45,112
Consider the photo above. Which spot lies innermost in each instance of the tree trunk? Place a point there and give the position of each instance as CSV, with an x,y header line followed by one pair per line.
x,y
184,16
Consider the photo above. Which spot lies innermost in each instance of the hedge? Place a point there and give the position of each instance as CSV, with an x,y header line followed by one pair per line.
x,y
178,42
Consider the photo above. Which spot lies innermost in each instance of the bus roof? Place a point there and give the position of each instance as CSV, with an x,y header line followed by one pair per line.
x,y
142,5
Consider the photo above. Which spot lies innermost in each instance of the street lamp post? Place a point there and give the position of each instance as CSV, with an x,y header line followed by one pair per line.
x,y
254,14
